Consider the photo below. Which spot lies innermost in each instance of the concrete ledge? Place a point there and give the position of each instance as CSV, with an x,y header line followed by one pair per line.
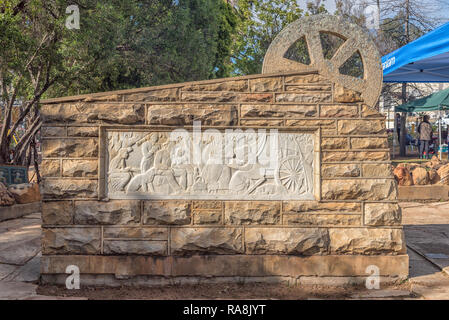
x,y
19,210
234,266
430,192
105,280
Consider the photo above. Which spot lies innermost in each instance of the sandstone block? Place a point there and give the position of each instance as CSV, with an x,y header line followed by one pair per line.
x,y
305,79
239,86
82,131
360,189
50,168
339,111
328,131
402,176
167,212
443,172
310,123
75,148
252,212
54,132
79,168
226,97
290,207
57,212
71,241
208,217
323,219
6,198
188,241
366,241
180,114
377,170
239,265
170,94
343,95
355,156
262,122
277,111
369,143
255,97
203,205
409,166
130,247
115,212
434,178
368,112
103,98
294,241
309,88
304,97
63,189
334,143
340,170
266,84
148,233
25,193
94,113
420,176
363,127
382,214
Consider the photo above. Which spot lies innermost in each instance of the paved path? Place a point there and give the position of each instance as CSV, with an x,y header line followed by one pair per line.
x,y
20,246
426,230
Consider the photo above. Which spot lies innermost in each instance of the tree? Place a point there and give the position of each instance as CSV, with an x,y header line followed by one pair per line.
x,y
131,44
29,59
120,44
259,23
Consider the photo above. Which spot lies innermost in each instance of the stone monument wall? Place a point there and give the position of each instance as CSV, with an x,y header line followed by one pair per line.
x,y
119,205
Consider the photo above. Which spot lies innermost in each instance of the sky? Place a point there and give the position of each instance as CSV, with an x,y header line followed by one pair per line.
x,y
440,8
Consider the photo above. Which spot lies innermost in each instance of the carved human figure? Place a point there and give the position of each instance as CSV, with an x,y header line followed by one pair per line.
x,y
119,174
162,167
149,147
215,174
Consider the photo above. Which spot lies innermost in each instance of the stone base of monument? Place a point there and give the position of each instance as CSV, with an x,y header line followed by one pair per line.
x,y
157,271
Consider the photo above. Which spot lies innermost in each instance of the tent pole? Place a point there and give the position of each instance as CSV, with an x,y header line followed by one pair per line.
x,y
439,132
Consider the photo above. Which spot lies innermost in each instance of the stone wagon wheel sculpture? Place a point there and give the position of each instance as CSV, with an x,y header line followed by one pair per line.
x,y
355,40
290,174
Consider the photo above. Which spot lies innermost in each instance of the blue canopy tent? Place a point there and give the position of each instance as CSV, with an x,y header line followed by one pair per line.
x,y
424,60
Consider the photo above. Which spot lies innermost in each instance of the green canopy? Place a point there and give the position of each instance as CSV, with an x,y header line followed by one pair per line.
x,y
436,101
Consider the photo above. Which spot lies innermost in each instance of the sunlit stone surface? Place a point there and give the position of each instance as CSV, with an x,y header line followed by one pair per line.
x,y
247,166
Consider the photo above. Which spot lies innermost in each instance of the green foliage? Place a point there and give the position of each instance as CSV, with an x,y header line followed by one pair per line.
x,y
260,21
120,44
128,44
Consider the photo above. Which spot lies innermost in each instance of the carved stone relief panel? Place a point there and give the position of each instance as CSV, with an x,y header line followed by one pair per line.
x,y
222,165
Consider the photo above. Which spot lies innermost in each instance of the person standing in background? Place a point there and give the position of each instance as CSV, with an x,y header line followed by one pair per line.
x,y
425,135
